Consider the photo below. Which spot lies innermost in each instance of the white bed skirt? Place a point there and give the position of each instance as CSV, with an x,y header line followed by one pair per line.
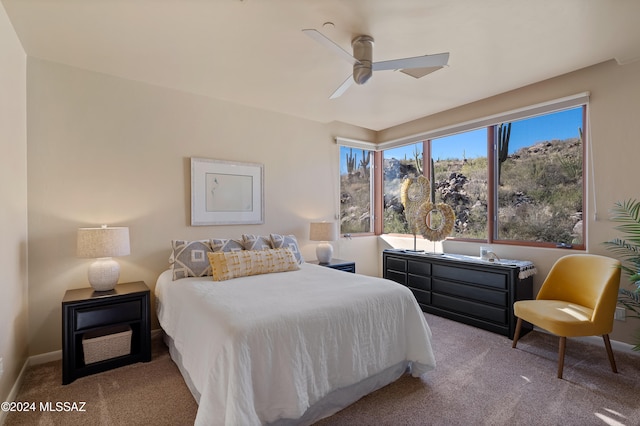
x,y
325,407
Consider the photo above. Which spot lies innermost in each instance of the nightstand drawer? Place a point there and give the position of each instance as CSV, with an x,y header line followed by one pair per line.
x,y
107,315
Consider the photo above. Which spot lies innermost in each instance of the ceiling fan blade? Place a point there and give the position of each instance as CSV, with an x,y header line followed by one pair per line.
x,y
331,45
426,61
343,88
420,72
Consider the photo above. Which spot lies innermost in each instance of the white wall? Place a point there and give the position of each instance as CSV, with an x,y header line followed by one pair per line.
x,y
13,207
107,150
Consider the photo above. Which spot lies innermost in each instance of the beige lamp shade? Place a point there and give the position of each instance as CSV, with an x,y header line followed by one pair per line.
x,y
324,232
102,244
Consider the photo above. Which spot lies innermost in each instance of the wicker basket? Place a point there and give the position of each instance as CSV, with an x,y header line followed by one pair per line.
x,y
106,343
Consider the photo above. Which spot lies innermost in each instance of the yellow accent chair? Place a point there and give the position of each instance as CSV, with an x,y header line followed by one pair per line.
x,y
578,298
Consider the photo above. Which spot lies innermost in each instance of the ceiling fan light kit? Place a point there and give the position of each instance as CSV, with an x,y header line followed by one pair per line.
x,y
363,65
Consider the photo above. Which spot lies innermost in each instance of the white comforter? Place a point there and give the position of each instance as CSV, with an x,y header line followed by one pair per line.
x,y
267,347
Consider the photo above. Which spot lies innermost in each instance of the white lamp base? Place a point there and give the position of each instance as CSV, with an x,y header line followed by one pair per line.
x,y
324,252
104,274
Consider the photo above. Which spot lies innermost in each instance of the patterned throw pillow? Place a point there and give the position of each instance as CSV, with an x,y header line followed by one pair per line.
x,y
234,264
225,244
189,258
256,242
288,241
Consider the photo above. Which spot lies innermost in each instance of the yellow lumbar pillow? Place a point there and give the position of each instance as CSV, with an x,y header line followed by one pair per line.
x,y
234,264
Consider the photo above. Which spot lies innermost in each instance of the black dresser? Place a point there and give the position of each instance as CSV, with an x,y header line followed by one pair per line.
x,y
463,288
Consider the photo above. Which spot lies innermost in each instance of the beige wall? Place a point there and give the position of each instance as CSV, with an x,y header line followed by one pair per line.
x,y
13,209
107,150
613,129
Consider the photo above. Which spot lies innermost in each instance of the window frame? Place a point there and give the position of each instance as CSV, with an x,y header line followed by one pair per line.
x,y
373,192
490,122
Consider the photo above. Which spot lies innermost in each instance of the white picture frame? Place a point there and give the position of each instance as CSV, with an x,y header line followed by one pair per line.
x,y
226,192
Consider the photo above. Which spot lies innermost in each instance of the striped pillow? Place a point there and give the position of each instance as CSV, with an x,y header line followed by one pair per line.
x,y
234,264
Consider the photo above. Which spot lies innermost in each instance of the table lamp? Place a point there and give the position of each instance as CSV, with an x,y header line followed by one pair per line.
x,y
323,232
102,244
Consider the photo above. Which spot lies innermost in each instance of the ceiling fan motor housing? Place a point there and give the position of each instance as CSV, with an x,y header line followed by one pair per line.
x,y
363,52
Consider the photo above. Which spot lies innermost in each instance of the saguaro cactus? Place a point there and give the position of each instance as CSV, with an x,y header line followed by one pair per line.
x,y
432,183
504,134
417,157
351,161
364,163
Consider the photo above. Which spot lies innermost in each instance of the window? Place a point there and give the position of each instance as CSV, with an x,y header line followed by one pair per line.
x,y
398,164
515,177
355,190
461,180
539,184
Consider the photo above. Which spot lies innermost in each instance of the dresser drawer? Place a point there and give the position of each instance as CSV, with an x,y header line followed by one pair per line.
x,y
471,309
423,297
419,268
485,278
396,264
417,281
479,294
399,277
107,315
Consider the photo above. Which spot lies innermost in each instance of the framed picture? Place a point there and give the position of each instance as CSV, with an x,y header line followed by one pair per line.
x,y
226,192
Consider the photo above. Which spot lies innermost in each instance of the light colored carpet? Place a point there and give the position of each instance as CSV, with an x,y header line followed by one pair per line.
x,y
151,393
479,380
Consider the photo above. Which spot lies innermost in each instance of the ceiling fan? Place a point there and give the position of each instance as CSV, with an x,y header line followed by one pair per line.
x,y
363,67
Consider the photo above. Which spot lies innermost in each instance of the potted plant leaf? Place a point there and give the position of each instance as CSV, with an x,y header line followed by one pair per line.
x,y
627,213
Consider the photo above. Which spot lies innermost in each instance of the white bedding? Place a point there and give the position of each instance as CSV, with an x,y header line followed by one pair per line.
x,y
264,348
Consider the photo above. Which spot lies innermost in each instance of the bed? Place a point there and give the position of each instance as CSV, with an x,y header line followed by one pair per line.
x,y
289,347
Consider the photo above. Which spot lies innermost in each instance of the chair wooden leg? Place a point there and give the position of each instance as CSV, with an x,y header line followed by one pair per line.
x,y
563,344
607,344
516,334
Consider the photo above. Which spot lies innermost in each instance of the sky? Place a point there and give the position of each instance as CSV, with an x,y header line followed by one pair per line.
x,y
560,125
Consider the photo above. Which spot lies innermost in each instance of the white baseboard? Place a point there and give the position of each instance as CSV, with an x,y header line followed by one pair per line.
x,y
42,359
597,340
56,355
615,345
14,390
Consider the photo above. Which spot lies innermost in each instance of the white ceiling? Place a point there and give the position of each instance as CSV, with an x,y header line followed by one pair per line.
x,y
253,52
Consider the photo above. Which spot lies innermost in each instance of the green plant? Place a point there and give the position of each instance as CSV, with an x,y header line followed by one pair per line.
x,y
627,213
504,134
417,157
364,163
351,161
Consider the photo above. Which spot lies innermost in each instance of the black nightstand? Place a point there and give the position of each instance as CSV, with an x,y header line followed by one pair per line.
x,y
85,311
339,264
